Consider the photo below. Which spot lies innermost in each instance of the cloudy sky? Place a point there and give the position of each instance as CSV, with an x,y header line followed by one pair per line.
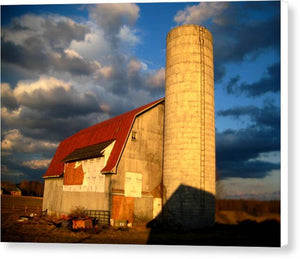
x,y
66,67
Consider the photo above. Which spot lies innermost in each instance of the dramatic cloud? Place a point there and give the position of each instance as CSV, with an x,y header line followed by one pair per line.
x,y
55,31
269,115
246,169
14,142
49,109
268,83
237,151
12,170
7,97
56,97
41,44
112,17
237,37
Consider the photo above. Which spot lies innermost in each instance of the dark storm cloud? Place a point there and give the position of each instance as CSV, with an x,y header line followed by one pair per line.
x,y
10,167
60,103
236,150
24,57
48,109
60,33
245,144
246,169
37,126
245,39
128,76
40,45
8,99
74,65
219,72
269,115
234,44
238,33
232,84
38,59
270,82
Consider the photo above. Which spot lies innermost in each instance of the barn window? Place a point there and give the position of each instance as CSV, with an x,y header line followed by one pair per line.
x,y
133,135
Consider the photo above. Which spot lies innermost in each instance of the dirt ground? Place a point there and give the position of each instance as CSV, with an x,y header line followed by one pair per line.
x,y
41,230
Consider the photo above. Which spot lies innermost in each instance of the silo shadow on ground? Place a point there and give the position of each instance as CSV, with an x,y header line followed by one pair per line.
x,y
189,228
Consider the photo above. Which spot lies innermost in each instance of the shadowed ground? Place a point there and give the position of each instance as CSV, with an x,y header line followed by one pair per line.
x,y
246,233
183,221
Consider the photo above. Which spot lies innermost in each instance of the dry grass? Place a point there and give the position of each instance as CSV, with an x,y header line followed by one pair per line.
x,y
19,203
41,229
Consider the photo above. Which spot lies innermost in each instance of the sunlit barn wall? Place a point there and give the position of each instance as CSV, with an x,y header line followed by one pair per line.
x,y
82,187
53,190
142,155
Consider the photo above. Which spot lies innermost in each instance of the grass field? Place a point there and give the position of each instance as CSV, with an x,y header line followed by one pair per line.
x,y
232,228
20,203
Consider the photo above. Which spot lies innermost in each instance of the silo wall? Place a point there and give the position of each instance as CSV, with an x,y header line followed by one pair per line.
x,y
189,134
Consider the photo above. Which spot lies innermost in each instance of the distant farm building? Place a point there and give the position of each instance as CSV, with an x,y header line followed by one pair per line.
x,y
15,191
154,162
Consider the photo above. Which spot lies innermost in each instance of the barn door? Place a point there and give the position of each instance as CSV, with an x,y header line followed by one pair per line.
x,y
122,208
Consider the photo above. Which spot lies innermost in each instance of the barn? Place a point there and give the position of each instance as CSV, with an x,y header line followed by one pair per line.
x,y
112,165
154,162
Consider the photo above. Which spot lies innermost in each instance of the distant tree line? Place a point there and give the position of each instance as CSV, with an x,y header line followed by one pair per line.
x,y
253,207
28,188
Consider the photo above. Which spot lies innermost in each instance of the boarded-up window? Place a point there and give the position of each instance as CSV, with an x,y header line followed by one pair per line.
x,y
84,176
73,174
133,184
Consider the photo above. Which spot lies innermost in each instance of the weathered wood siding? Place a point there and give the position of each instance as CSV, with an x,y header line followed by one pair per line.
x,y
142,155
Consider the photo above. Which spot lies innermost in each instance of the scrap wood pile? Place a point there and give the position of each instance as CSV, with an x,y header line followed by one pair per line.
x,y
69,222
73,223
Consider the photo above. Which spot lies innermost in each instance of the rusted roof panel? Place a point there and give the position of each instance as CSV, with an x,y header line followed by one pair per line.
x,y
116,129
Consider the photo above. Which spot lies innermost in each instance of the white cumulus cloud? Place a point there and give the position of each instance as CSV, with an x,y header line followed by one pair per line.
x,y
14,141
37,164
197,14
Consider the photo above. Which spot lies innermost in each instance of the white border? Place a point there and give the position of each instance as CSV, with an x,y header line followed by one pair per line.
x,y
284,123
18,250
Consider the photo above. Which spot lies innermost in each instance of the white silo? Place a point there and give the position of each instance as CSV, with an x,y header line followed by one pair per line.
x,y
189,134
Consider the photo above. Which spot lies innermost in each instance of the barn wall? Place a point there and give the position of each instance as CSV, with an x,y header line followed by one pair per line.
x,y
142,156
82,186
86,200
53,195
93,192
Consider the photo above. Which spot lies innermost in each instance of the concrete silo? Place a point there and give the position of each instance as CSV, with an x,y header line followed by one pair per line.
x,y
189,134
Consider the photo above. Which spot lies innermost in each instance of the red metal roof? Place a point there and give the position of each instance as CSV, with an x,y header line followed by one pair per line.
x,y
116,129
